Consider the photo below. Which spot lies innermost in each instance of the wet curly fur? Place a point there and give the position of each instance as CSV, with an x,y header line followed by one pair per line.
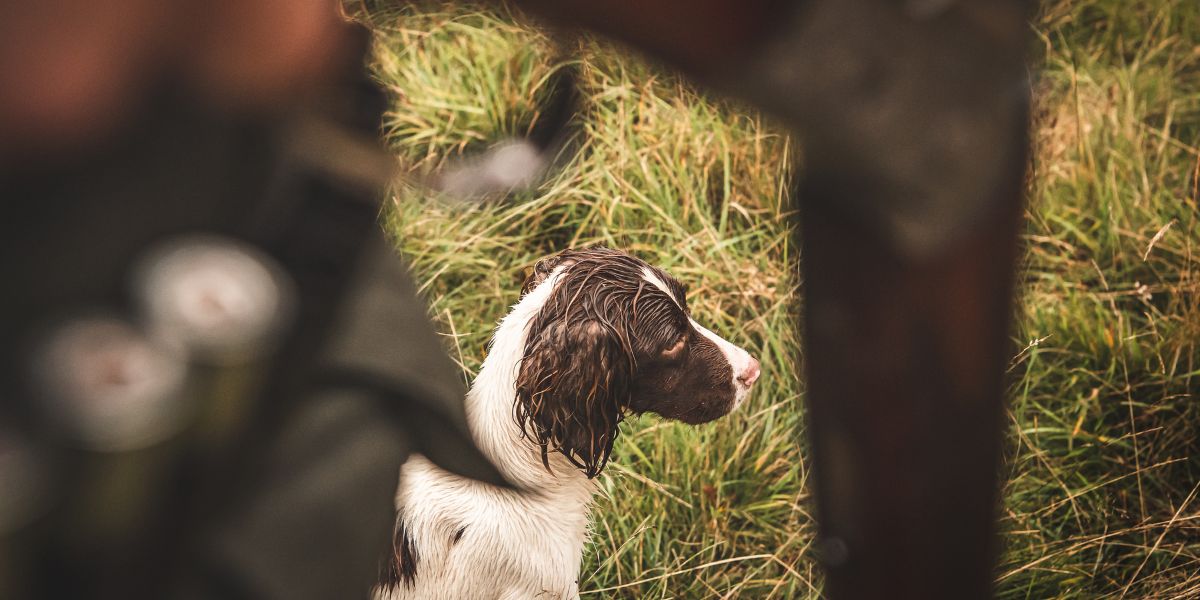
x,y
573,389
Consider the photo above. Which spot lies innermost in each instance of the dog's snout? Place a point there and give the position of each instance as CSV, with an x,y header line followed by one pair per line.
x,y
750,374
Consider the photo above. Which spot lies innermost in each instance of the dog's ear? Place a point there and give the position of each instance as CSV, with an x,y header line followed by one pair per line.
x,y
573,389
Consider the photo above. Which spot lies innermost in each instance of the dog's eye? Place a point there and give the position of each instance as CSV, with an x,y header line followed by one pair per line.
x,y
676,349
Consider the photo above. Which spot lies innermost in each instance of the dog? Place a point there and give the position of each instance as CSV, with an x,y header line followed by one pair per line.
x,y
597,334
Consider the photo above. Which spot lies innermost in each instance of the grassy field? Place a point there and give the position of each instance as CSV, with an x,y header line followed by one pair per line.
x,y
1103,452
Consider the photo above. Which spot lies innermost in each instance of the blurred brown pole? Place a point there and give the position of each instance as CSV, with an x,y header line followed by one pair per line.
x,y
905,361
913,117
911,205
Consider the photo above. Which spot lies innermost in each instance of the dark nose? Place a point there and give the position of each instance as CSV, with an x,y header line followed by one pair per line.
x,y
748,376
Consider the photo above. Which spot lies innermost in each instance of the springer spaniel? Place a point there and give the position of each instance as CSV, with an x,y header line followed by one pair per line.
x,y
596,334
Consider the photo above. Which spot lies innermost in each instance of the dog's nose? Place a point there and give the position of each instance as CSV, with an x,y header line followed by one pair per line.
x,y
748,376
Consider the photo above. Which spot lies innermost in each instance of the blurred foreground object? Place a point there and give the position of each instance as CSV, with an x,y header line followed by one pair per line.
x,y
516,164
219,299
108,387
913,118
73,72
214,363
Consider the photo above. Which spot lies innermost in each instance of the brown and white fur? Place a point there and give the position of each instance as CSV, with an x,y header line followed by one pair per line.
x,y
596,335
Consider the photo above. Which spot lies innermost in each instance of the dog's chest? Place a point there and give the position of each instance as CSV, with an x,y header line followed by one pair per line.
x,y
474,541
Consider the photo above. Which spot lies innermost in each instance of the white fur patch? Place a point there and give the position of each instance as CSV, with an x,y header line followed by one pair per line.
x,y
654,280
515,544
739,360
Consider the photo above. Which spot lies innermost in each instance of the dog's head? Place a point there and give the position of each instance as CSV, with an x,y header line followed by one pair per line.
x,y
613,336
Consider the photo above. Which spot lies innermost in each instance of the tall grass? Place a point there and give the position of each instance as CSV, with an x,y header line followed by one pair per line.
x,y
1102,461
